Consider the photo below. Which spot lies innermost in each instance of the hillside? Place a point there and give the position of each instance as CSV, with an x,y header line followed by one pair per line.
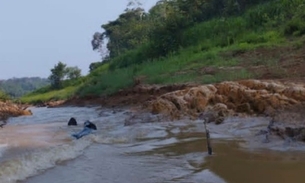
x,y
198,42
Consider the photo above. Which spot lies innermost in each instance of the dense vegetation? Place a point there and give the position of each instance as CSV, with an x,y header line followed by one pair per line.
x,y
17,87
3,96
177,38
61,72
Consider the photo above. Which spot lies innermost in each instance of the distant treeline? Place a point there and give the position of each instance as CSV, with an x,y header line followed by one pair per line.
x,y
17,87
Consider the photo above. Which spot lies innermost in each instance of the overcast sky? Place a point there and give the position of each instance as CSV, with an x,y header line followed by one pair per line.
x,y
36,34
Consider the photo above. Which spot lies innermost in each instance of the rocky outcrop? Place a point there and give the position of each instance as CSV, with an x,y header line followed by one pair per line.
x,y
242,97
8,109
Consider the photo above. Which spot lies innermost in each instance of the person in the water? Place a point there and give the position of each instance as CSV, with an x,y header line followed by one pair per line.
x,y
72,122
88,128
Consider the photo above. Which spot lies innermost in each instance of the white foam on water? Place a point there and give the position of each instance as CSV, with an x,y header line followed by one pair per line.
x,y
30,149
32,163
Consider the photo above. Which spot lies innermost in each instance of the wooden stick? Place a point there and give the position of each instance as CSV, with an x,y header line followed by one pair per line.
x,y
210,151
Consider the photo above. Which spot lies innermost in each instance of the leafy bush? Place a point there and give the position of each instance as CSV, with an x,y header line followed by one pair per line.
x,y
296,26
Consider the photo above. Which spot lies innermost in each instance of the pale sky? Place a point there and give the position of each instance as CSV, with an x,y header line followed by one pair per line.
x,y
36,34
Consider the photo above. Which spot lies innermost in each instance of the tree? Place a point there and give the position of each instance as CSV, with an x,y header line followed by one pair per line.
x,y
73,72
95,65
97,41
58,73
128,31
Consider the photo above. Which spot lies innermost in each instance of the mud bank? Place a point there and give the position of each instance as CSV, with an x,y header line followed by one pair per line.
x,y
281,102
249,97
8,109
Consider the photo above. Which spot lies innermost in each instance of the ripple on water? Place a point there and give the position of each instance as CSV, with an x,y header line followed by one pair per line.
x,y
142,153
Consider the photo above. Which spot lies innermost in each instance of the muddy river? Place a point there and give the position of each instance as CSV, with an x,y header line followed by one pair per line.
x,y
40,148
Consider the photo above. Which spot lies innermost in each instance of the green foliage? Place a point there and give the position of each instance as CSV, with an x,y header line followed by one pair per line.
x,y
102,68
200,45
95,65
53,95
127,32
73,72
16,87
137,37
57,75
179,15
274,12
296,26
4,96
132,57
44,94
60,72
108,82
177,40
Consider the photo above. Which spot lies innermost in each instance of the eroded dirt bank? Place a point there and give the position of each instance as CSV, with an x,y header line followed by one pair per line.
x,y
8,109
242,97
281,102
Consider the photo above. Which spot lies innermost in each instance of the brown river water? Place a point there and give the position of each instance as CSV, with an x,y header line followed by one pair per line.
x,y
40,149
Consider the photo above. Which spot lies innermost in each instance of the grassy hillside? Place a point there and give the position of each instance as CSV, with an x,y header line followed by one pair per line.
x,y
44,94
264,41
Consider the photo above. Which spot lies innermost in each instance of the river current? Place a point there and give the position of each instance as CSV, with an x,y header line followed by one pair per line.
x,y
40,149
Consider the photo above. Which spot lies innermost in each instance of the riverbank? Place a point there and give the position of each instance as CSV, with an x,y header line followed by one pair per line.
x,y
276,91
252,109
10,109
265,113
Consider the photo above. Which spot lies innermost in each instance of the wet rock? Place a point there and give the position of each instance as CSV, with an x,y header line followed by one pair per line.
x,y
287,133
295,133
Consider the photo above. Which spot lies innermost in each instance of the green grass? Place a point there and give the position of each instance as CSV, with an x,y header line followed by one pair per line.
x,y
108,82
181,67
50,96
208,44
